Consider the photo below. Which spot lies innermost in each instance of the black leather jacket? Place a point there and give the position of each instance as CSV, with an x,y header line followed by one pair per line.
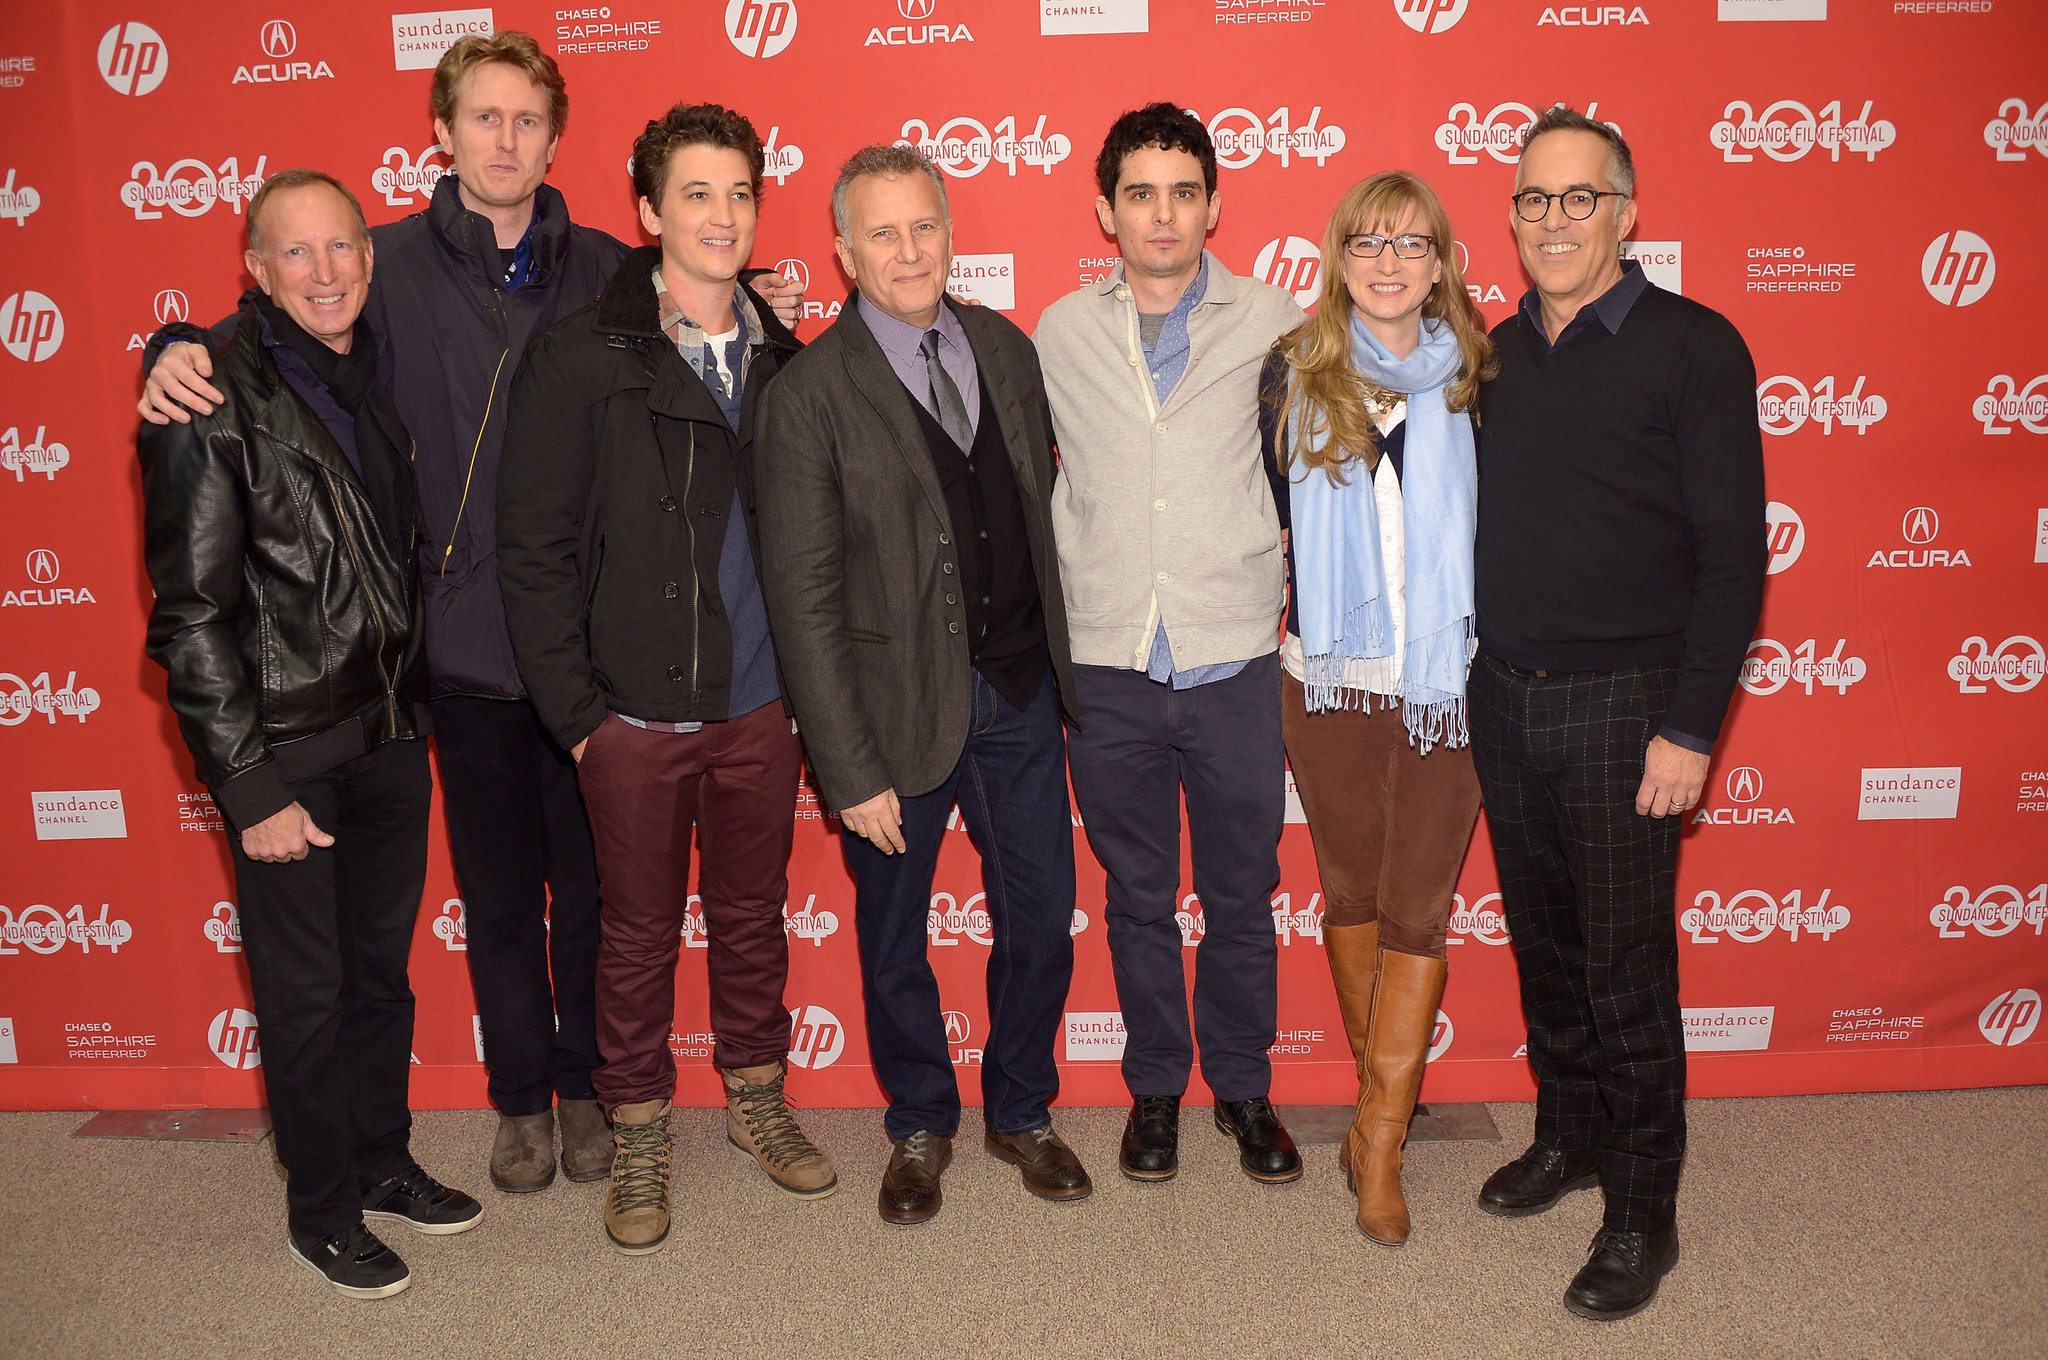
x,y
287,588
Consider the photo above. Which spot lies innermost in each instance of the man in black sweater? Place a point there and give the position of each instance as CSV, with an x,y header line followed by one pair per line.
x,y
1620,573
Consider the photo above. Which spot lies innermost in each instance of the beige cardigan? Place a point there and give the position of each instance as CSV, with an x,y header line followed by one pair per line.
x,y
1163,511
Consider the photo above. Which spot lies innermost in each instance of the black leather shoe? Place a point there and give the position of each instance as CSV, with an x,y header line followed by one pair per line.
x,y
421,1203
910,1187
355,1264
1264,1149
1051,1170
1536,1180
1621,1276
1151,1147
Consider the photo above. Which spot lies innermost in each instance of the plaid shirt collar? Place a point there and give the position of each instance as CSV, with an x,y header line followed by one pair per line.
x,y
689,337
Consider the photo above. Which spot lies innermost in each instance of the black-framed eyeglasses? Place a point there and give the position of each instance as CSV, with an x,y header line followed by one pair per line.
x,y
1533,205
1405,247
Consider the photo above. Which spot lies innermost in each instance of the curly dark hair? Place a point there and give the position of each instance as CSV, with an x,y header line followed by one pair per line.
x,y
1163,125
692,125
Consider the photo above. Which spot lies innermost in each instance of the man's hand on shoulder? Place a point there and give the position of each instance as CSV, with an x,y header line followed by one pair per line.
x,y
177,382
784,295
1672,779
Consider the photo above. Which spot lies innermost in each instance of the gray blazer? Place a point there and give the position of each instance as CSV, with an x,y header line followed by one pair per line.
x,y
857,552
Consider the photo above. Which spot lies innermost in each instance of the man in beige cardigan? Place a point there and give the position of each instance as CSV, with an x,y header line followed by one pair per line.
x,y
1169,551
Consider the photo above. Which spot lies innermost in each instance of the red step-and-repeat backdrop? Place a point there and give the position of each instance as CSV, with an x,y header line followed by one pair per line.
x,y
1861,185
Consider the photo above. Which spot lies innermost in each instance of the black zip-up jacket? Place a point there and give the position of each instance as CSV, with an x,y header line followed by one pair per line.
x,y
287,589
613,502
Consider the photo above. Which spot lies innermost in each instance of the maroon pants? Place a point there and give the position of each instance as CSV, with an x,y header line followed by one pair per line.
x,y
734,785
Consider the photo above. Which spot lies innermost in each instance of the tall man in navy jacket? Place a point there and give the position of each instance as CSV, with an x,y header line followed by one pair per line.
x,y
460,289
1620,571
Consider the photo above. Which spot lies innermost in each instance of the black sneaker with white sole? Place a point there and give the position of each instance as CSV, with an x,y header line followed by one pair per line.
x,y
421,1203
355,1264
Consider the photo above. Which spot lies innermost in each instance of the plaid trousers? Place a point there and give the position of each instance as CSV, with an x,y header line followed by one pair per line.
x,y
1589,891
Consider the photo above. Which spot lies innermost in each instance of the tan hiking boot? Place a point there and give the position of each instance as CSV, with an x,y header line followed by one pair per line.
x,y
758,1123
636,1209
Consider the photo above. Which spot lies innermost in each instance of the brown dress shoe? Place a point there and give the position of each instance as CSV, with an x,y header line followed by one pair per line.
x,y
1051,1170
586,1140
758,1123
523,1153
910,1186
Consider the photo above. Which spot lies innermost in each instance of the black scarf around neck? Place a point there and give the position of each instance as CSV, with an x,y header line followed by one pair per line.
x,y
348,377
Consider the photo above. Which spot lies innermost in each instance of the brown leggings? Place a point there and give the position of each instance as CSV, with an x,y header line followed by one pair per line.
x,y
1390,826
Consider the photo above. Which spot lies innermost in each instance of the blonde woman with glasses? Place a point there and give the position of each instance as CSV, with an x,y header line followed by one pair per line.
x,y
1369,444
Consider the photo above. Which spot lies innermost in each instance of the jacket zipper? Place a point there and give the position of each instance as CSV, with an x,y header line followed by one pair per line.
x,y
369,601
489,399
696,591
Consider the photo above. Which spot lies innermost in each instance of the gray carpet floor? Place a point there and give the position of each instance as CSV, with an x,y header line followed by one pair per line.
x,y
1853,1226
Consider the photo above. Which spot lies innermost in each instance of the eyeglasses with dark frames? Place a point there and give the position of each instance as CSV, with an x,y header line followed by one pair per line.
x,y
1405,247
1533,205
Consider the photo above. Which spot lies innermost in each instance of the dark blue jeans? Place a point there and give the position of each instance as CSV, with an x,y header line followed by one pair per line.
x,y
1139,747
1011,785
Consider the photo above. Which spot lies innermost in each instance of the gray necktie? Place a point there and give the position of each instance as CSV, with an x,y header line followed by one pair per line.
x,y
952,411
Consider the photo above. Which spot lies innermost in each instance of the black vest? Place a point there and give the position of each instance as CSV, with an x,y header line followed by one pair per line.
x,y
1005,625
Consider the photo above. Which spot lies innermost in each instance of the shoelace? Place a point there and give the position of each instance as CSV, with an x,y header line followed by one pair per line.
x,y
1627,1245
640,1172
1255,1109
1157,1107
770,1124
918,1148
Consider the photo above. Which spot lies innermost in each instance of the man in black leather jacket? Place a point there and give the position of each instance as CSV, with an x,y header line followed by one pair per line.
x,y
282,533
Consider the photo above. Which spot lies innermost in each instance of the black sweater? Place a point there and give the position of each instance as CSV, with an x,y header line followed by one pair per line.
x,y
1621,502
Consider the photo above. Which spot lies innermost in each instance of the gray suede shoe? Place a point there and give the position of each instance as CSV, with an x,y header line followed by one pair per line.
x,y
586,1141
523,1154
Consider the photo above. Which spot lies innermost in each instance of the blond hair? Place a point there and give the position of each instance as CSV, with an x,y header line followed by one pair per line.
x,y
519,51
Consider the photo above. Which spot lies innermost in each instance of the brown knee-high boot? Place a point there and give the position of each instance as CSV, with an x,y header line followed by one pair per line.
x,y
1403,1019
1354,953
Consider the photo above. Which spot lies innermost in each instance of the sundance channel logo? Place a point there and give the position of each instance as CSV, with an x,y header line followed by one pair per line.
x,y
1727,1029
1095,1036
79,815
1910,794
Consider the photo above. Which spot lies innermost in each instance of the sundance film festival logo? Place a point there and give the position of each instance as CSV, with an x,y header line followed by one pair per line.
x,y
2011,1017
1785,405
190,188
1430,16
22,699
1480,922
1788,130
760,28
1958,268
451,927
920,32
1241,137
1293,264
1920,527
1194,926
1784,536
1307,922
2014,130
816,1038
44,930
17,201
31,327
224,928
41,455
2016,665
964,147
232,1037
133,59
1769,666
780,160
403,178
948,922
810,923
1753,916
2005,404
1996,912
279,41
1464,134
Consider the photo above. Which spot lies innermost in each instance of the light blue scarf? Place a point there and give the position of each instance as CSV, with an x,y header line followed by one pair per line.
x,y
1339,580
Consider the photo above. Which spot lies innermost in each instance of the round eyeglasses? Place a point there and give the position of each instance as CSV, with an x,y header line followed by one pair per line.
x,y
1533,205
1405,247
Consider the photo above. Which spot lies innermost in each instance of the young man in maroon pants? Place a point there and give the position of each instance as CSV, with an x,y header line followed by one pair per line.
x,y
631,583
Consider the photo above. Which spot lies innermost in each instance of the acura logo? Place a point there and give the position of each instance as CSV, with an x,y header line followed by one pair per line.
x,y
797,272
915,9
171,306
279,39
1745,784
1921,525
42,566
957,1026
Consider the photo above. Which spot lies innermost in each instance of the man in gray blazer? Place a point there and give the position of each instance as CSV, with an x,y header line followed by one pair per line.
x,y
904,476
